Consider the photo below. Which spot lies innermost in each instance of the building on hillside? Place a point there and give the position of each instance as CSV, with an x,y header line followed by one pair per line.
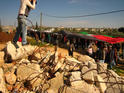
x,y
93,29
78,29
86,29
101,29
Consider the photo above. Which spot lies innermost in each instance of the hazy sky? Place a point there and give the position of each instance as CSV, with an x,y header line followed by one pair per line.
x,y
9,11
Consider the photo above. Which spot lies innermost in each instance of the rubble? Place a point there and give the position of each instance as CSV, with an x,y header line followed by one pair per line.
x,y
9,87
14,54
10,78
85,59
54,86
101,67
29,72
100,85
36,70
1,58
2,82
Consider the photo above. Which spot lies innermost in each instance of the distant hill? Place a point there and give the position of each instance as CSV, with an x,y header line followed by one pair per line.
x,y
8,28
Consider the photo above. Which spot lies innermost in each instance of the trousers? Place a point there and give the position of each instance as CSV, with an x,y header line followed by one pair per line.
x,y
22,28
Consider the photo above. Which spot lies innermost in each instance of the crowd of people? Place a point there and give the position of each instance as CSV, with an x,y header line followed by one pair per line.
x,y
99,50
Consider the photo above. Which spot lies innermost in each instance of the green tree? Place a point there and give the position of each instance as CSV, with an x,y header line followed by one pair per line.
x,y
121,29
0,26
36,27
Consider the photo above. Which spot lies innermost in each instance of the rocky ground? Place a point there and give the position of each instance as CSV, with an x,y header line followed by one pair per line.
x,y
32,69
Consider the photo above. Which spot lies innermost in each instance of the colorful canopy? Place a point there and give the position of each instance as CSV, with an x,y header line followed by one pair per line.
x,y
109,39
108,35
85,35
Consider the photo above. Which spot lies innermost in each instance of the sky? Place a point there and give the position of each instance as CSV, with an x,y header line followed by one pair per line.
x,y
9,11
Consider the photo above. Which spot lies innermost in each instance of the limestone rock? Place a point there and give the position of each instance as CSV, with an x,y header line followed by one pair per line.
x,y
24,71
10,78
56,83
92,65
38,55
2,82
11,51
24,61
88,77
9,87
29,72
17,85
47,57
1,58
102,86
117,88
2,55
77,84
36,82
114,74
27,91
29,49
85,59
50,91
114,90
69,59
60,64
84,69
72,64
9,67
75,76
101,67
81,87
56,57
14,54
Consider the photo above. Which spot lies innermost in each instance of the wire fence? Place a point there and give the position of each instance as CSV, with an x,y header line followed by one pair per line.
x,y
48,72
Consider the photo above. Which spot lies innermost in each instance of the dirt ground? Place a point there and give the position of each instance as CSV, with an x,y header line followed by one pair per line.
x,y
5,37
2,46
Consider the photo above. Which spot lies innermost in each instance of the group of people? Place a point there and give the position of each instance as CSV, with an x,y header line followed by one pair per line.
x,y
100,51
105,53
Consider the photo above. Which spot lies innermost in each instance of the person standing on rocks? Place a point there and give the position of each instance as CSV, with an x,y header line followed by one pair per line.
x,y
71,48
25,7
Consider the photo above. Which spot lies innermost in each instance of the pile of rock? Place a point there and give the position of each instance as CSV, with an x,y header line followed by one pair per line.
x,y
35,70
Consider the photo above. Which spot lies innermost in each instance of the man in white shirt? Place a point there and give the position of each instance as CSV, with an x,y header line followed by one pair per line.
x,y
24,10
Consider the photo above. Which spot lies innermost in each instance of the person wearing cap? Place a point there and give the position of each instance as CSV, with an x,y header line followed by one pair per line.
x,y
25,7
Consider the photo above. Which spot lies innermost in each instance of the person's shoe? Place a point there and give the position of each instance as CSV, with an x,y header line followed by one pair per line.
x,y
25,44
15,44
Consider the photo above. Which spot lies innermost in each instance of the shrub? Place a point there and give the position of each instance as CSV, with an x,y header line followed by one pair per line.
x,y
121,29
1,29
